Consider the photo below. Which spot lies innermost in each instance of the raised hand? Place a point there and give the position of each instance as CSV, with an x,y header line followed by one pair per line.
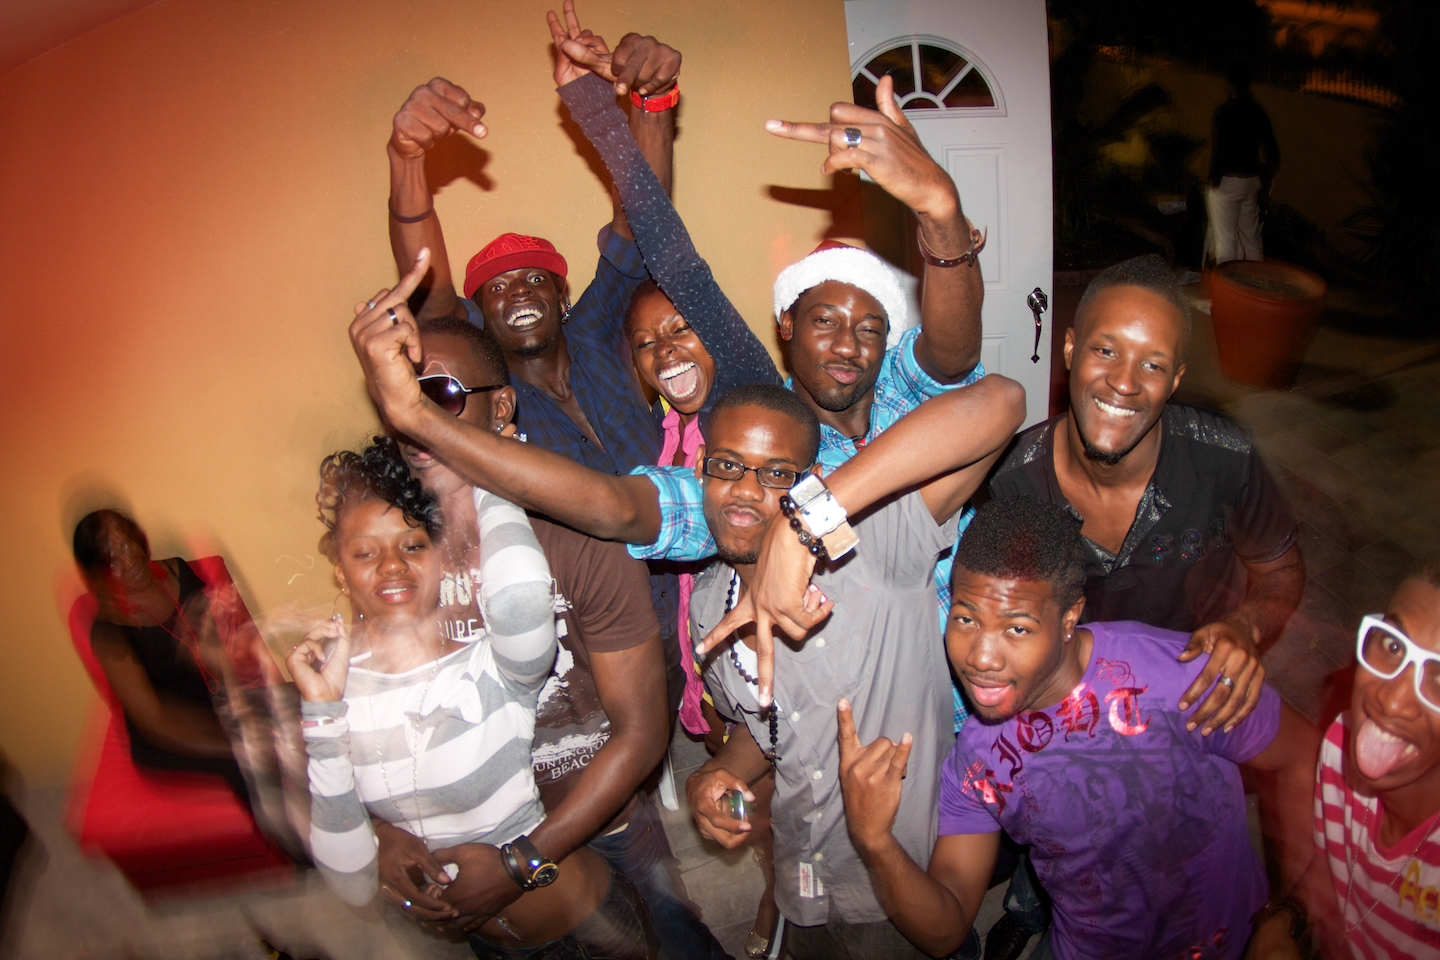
x,y
321,678
1234,656
641,64
888,149
870,781
781,595
404,864
433,111
387,343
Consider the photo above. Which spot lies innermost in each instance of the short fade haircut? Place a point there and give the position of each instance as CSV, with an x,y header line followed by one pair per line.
x,y
1149,272
376,473
483,347
1025,538
780,400
1426,569
90,554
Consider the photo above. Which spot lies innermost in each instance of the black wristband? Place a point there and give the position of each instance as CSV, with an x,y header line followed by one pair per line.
x,y
415,219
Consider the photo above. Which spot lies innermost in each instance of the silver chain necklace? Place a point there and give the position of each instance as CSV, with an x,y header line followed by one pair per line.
x,y
1350,871
413,748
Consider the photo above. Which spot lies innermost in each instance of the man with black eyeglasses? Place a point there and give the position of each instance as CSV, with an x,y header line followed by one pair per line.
x,y
880,648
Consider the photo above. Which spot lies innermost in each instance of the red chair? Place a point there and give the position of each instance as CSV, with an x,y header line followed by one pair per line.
x,y
171,832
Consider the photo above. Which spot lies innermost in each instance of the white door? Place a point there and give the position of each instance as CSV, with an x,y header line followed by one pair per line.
x,y
982,109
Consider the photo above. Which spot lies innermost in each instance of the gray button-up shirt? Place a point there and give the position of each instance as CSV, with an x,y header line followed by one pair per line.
x,y
880,649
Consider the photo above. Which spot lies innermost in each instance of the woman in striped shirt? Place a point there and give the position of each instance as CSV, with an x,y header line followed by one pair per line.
x,y
433,735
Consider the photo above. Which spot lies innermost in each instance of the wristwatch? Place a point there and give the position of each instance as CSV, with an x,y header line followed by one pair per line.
x,y
526,866
824,516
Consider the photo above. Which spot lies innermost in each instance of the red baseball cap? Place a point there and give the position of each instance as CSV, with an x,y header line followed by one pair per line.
x,y
511,251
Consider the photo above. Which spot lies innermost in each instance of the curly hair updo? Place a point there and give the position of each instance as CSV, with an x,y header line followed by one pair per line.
x,y
376,473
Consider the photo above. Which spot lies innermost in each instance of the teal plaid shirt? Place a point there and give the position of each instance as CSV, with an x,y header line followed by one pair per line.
x,y
901,387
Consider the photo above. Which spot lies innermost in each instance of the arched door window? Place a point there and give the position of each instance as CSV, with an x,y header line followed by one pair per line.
x,y
930,75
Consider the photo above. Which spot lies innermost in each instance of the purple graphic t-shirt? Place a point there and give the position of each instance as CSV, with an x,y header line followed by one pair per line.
x,y
1137,825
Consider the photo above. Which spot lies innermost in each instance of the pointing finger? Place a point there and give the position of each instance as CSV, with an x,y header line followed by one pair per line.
x,y
808,132
848,740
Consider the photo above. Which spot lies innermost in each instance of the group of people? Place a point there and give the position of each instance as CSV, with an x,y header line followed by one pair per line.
x,y
588,522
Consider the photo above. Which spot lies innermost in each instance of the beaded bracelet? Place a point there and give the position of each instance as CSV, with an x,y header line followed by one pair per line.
x,y
811,543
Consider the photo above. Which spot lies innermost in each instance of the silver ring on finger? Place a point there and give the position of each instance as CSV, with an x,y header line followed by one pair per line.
x,y
369,304
1226,681
394,319
852,137
407,904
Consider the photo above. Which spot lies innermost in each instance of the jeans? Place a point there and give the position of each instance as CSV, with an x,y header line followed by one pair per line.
x,y
617,930
1024,901
642,852
851,941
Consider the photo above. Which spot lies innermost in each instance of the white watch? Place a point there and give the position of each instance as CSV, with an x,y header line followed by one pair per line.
x,y
824,516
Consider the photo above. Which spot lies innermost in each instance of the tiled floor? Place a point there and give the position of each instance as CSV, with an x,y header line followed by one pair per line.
x,y
1356,446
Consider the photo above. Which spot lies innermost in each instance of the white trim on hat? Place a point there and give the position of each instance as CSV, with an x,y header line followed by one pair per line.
x,y
854,266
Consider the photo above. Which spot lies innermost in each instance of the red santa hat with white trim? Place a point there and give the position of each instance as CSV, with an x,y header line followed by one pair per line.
x,y
860,268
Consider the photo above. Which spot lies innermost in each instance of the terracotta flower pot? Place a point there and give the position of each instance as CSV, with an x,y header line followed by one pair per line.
x,y
1264,314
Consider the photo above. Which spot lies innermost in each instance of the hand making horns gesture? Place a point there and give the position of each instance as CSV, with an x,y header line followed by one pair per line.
x,y
883,144
387,343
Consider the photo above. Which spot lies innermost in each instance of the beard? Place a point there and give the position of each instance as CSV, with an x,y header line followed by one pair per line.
x,y
735,557
1106,457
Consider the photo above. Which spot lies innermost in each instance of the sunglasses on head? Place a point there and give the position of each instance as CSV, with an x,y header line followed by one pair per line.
x,y
1385,651
450,394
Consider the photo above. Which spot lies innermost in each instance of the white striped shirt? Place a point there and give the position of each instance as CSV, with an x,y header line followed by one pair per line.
x,y
1392,908
442,750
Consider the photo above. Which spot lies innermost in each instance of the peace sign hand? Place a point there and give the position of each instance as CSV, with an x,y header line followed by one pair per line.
x,y
870,782
641,64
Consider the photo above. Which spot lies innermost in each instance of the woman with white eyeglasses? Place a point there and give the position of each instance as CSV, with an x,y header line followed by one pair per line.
x,y
1373,890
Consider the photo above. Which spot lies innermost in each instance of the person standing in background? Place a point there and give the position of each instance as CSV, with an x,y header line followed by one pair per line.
x,y
1243,160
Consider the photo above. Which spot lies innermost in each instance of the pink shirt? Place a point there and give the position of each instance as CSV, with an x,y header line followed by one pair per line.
x,y
689,442
1391,907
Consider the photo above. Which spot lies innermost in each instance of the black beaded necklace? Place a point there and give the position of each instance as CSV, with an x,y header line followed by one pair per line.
x,y
773,754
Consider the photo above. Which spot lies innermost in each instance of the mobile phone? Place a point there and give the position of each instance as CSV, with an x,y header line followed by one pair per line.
x,y
733,803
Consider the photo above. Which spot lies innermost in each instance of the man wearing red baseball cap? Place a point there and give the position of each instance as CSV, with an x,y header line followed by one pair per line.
x,y
576,392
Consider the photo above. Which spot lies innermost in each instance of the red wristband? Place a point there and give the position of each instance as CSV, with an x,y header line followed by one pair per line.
x,y
656,104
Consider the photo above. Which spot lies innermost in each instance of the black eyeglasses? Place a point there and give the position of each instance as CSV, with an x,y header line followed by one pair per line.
x,y
777,478
450,394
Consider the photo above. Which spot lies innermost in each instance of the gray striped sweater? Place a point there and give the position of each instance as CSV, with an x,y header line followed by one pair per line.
x,y
443,750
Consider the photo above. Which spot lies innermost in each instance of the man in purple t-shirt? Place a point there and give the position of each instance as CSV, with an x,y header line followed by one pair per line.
x,y
1078,747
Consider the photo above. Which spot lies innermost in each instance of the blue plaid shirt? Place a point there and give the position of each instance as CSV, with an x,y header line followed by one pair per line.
x,y
603,381
600,373
901,387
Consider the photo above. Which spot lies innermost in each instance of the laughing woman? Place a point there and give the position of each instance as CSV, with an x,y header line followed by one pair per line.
x,y
433,735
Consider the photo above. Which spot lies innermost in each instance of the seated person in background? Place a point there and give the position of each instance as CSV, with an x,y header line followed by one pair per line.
x,y
1373,890
157,643
1136,822
1183,526
601,726
432,735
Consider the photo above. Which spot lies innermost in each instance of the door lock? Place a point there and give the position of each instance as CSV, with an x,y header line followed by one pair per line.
x,y
1038,304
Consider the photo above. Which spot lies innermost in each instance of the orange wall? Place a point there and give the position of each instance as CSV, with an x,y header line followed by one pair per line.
x,y
195,198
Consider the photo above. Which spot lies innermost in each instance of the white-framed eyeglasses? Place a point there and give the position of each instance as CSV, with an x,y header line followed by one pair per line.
x,y
1384,651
